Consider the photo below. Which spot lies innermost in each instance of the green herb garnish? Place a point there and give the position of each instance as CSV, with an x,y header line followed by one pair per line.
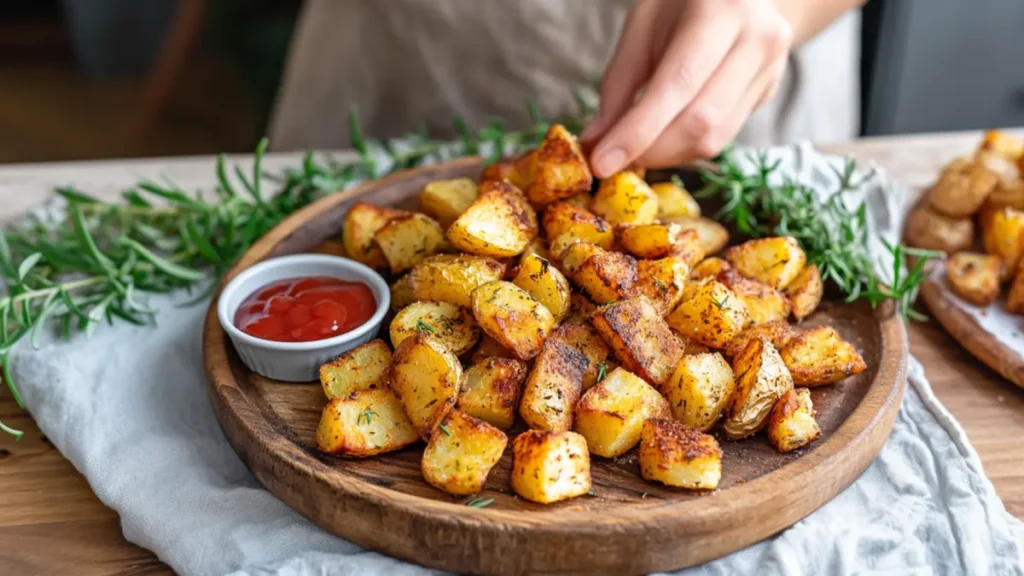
x,y
444,429
480,502
602,371
424,327
720,303
368,415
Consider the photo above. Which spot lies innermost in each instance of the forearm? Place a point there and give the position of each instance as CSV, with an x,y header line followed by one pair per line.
x,y
809,17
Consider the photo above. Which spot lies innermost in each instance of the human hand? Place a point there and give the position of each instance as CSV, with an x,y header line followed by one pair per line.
x,y
685,76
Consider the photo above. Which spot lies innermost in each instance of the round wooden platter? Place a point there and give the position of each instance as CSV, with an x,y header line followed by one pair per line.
x,y
628,526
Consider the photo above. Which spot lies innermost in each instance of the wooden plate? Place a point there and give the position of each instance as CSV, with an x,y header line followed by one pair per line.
x,y
630,526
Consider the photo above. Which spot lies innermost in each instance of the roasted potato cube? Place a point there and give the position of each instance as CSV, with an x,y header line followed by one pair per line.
x,y
930,230
962,189
805,292
361,368
659,240
691,346
361,223
546,284
581,201
700,389
1002,235
763,303
550,466
401,293
538,247
709,268
678,456
491,390
459,457
451,278
774,261
611,414
499,223
561,169
580,308
581,335
820,356
489,348
606,276
553,387
761,379
425,376
712,316
625,198
792,424
572,254
364,423
1015,297
713,236
974,277
640,339
563,218
408,240
674,200
518,171
445,200
511,316
778,333
451,325
662,281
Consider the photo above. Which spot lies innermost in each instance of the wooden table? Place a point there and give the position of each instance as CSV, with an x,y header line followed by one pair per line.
x,y
51,522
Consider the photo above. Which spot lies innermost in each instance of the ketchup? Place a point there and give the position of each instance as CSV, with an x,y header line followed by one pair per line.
x,y
305,309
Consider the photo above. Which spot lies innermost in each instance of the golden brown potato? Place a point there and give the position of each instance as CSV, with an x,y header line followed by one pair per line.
x,y
712,316
792,424
640,339
563,218
761,379
408,240
674,200
518,171
652,241
580,308
820,356
699,390
425,376
581,201
550,466
774,261
1002,235
974,277
678,456
561,168
553,387
364,423
546,284
611,414
489,348
1015,297
491,389
581,335
778,333
499,223
763,303
713,236
401,293
445,200
511,316
1003,144
451,325
624,198
574,254
361,368
930,230
709,268
805,292
538,247
605,276
361,223
451,278
662,281
691,346
460,455
962,189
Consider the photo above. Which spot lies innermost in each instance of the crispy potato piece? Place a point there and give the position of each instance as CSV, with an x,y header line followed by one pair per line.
x,y
820,356
709,268
451,325
580,308
574,253
499,223
712,316
445,200
1003,144
674,200
361,223
401,293
611,414
491,390
1007,193
553,387
536,246
451,278
546,284
606,276
1015,297
561,170
713,236
361,368
408,240
761,379
764,303
511,316
550,466
518,171
1002,235
581,335
792,424
563,218
805,292
974,277
691,346
640,339
678,456
962,189
581,201
778,333
662,281
364,423
652,241
489,348
700,389
458,459
930,230
774,261
624,198
425,376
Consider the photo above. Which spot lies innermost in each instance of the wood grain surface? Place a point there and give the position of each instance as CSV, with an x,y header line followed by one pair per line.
x,y
52,523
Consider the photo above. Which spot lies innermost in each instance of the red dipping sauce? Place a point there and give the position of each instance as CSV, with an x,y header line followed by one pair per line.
x,y
305,309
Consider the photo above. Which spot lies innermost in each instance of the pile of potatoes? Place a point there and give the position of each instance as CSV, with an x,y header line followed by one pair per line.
x,y
602,321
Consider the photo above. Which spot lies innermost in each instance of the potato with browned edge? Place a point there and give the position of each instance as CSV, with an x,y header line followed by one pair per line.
x,y
640,339
499,223
489,348
1002,235
974,277
805,292
761,379
360,368
518,171
820,356
709,268
452,278
779,333
408,240
713,236
362,221
545,283
364,423
678,456
553,387
451,325
563,218
674,200
763,303
511,316
775,261
792,424
581,335
401,293
550,466
712,315
657,240
491,390
561,169
446,200
663,281
459,457
700,389
611,414
624,198
425,376
962,188
930,230
604,276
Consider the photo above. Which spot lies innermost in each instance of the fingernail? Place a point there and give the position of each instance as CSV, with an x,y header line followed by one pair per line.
x,y
610,162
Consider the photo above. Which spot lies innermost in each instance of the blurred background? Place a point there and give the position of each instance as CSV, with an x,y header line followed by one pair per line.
x,y
84,79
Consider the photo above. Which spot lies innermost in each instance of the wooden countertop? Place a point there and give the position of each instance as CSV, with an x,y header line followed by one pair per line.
x,y
51,522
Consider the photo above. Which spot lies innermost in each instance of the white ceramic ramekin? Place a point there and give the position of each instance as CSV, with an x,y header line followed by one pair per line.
x,y
298,361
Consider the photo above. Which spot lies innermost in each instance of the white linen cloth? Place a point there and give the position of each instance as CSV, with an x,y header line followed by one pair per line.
x,y
130,411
